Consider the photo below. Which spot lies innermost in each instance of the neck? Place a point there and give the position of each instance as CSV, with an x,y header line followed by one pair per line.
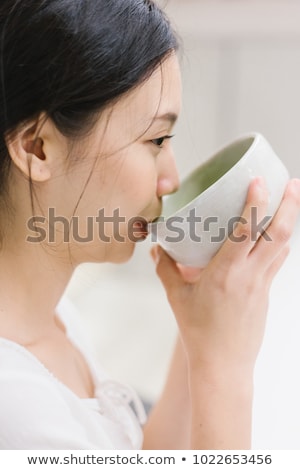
x,y
32,280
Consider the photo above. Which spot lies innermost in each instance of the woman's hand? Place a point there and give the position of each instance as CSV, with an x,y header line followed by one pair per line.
x,y
221,309
221,313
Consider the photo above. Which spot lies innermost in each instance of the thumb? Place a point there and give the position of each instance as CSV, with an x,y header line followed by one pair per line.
x,y
166,268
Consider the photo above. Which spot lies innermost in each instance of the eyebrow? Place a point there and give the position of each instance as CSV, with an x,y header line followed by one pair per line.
x,y
170,117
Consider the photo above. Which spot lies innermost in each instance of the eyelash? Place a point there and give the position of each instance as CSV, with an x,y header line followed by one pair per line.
x,y
160,141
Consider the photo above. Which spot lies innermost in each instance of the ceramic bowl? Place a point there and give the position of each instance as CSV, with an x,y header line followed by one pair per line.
x,y
198,218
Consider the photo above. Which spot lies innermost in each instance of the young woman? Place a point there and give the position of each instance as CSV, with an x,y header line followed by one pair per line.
x,y
90,91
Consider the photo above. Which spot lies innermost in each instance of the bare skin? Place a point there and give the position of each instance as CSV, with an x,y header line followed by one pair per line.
x,y
210,377
221,313
129,172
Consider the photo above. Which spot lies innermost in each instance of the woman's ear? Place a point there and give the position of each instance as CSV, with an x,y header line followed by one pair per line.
x,y
26,149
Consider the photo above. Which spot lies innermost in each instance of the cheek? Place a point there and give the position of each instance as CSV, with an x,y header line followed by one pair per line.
x,y
137,183
127,180
141,197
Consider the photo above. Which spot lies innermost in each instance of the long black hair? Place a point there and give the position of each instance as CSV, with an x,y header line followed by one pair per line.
x,y
70,58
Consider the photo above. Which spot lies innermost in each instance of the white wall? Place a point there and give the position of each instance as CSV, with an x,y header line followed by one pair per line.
x,y
241,70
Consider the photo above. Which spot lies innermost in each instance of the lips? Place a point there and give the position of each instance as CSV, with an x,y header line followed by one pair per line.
x,y
140,225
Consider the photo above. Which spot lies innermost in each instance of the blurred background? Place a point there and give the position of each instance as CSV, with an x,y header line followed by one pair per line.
x,y
241,72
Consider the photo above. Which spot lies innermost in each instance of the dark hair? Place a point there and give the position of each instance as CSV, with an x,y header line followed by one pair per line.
x,y
70,58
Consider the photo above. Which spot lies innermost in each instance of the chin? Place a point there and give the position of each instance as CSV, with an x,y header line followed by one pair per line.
x,y
120,257
124,255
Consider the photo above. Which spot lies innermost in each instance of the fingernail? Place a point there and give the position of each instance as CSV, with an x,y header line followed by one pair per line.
x,y
158,254
260,183
155,253
295,183
261,189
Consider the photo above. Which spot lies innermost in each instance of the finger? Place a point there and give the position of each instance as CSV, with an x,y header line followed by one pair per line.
x,y
277,264
281,229
166,268
189,274
240,243
154,254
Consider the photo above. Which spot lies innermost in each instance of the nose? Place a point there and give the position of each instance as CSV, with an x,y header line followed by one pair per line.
x,y
168,179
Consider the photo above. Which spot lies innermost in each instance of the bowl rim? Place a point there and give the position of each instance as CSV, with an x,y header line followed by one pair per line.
x,y
256,136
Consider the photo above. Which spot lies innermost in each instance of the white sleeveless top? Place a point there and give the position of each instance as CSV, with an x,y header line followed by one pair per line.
x,y
37,411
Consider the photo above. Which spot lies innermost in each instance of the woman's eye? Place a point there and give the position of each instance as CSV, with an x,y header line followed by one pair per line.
x,y
160,141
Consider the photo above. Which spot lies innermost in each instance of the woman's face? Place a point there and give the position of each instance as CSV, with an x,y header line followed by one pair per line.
x,y
130,167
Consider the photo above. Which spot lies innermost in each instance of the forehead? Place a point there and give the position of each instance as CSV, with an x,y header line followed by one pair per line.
x,y
159,95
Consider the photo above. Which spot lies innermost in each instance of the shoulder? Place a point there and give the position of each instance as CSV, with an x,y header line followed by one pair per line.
x,y
35,410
